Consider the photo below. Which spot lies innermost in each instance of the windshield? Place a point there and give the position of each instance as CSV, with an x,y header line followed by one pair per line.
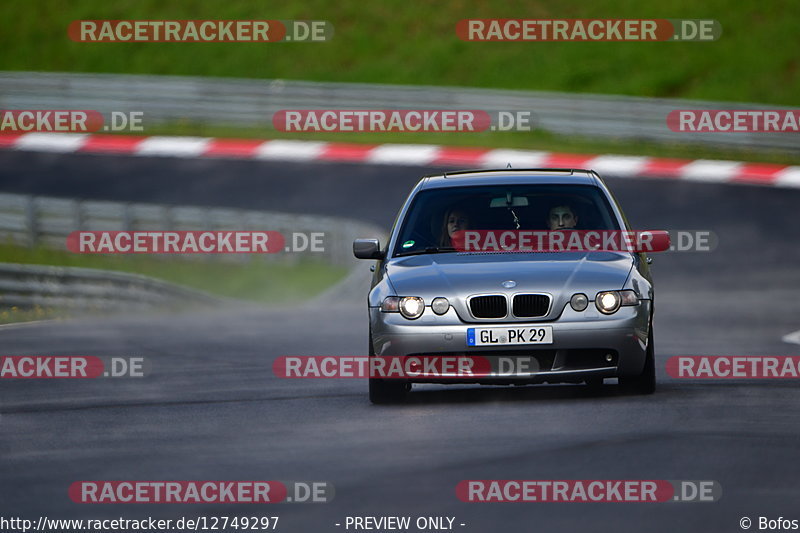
x,y
436,214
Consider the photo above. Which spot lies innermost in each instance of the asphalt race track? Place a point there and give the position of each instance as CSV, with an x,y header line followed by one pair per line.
x,y
212,408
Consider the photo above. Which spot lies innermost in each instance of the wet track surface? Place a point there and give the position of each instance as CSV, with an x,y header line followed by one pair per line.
x,y
213,409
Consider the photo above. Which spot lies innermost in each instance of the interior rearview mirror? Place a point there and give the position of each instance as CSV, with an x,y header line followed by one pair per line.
x,y
509,201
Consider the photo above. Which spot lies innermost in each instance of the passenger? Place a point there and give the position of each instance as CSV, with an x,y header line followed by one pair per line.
x,y
455,219
561,217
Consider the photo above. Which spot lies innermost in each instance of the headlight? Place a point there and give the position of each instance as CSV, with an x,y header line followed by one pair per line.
x,y
440,305
608,302
411,307
579,301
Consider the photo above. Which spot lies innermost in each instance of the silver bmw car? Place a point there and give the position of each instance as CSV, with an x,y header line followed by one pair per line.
x,y
531,315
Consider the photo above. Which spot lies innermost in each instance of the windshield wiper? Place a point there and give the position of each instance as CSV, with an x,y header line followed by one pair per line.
x,y
428,250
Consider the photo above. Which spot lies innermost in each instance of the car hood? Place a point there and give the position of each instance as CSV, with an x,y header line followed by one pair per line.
x,y
459,275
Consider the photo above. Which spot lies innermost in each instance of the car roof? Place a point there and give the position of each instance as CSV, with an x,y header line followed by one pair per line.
x,y
507,176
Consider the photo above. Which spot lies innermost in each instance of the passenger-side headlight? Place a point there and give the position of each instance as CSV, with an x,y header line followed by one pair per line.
x,y
412,307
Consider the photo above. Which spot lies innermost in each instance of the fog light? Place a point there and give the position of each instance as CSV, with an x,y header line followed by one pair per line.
x,y
440,305
579,301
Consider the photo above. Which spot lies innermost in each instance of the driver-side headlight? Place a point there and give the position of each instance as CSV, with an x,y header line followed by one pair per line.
x,y
609,302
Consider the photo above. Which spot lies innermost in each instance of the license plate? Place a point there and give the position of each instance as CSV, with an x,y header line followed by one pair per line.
x,y
509,335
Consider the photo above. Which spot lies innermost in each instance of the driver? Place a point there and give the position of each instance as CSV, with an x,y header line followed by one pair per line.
x,y
561,217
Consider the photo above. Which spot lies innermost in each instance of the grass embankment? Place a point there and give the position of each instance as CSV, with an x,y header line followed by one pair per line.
x,y
397,41
255,280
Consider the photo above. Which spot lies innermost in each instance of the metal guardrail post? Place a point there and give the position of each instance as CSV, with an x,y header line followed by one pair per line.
x,y
127,217
77,214
31,221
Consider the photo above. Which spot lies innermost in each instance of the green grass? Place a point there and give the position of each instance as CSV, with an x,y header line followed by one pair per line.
x,y
255,280
414,42
14,314
533,140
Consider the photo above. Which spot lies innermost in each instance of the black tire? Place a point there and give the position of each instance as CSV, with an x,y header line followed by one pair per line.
x,y
385,391
594,384
644,383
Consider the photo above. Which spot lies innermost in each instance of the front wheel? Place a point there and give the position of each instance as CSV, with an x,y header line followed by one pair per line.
x,y
385,391
644,383
594,384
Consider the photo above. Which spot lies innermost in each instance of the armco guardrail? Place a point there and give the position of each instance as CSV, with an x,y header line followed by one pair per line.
x,y
33,220
253,102
28,286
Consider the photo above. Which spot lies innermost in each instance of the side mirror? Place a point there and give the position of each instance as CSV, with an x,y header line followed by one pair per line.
x,y
367,249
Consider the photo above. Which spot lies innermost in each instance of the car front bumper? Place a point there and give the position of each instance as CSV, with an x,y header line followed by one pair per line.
x,y
585,345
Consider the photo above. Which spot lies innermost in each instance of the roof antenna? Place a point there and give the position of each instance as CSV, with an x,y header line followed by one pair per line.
x,y
509,165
